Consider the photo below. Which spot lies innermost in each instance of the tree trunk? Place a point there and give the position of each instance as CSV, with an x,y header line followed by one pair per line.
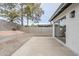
x,y
27,22
28,25
22,20
22,14
11,20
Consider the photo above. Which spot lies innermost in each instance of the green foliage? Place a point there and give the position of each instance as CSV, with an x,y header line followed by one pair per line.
x,y
32,11
12,15
8,10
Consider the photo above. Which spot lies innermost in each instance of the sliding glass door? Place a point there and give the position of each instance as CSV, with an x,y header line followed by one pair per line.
x,y
60,29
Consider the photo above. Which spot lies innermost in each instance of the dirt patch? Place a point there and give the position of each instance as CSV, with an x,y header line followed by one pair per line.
x,y
8,47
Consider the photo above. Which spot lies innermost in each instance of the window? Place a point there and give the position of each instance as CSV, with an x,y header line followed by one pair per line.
x,y
60,29
72,14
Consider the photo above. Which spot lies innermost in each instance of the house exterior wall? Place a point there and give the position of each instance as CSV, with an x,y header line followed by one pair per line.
x,y
72,27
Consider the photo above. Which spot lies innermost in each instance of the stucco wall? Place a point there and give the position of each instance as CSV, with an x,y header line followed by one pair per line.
x,y
72,27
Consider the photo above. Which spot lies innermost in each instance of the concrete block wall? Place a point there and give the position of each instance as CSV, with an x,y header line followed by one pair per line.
x,y
38,30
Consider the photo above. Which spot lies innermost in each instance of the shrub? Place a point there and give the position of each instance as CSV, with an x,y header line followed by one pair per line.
x,y
14,29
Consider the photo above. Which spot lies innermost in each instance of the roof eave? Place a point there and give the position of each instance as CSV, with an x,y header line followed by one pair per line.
x,y
60,9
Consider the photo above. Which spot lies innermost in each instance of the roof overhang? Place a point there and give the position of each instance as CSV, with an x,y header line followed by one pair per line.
x,y
60,9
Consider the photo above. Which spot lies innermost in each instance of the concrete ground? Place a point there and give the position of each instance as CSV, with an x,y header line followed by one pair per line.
x,y
43,46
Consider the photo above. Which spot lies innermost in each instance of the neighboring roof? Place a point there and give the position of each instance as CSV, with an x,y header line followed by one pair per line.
x,y
60,9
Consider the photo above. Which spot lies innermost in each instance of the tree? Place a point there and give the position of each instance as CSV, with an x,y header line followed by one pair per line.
x,y
14,11
21,10
8,10
27,12
33,11
12,15
38,13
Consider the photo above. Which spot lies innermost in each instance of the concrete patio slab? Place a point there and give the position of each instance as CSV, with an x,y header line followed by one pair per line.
x,y
43,46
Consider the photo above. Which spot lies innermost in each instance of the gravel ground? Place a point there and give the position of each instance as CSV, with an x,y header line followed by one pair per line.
x,y
8,47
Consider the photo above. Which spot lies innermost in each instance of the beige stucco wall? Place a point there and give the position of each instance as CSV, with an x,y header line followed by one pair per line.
x,y
72,27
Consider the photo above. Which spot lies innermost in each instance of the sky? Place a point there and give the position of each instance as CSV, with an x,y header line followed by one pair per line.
x,y
49,9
